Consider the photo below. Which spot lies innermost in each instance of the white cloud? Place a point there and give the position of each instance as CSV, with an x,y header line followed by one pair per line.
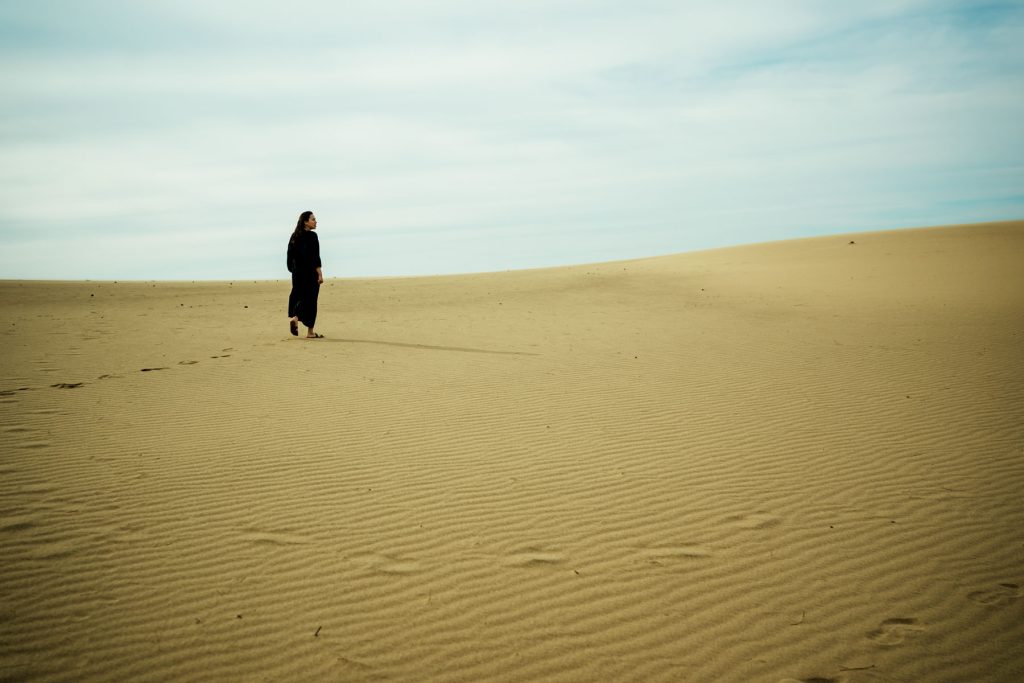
x,y
470,129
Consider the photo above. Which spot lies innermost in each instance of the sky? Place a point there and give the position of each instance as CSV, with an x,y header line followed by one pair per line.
x,y
180,139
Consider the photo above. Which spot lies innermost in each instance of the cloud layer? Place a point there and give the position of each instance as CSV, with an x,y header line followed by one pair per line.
x,y
176,140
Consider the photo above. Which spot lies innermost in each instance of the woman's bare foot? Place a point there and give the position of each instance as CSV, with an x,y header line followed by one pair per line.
x,y
293,326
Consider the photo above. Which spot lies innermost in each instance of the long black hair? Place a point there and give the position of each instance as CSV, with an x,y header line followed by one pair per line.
x,y
293,241
300,225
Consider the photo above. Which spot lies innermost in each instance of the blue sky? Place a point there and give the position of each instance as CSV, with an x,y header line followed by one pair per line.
x,y
180,139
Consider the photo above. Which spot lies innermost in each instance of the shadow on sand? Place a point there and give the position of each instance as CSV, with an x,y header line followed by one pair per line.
x,y
427,347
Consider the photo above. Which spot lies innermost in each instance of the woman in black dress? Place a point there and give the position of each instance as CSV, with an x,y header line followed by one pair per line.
x,y
304,265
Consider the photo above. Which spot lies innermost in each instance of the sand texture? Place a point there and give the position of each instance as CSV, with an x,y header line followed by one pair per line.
x,y
799,461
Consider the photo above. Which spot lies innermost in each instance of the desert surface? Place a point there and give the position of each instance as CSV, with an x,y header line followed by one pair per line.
x,y
792,461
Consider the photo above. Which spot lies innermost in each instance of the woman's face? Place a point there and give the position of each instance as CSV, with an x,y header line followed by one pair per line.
x,y
311,222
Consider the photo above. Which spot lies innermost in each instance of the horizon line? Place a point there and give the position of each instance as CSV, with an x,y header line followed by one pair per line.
x,y
520,270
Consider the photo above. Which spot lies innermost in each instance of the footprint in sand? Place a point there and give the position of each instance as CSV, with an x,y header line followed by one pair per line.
x,y
67,385
16,524
661,556
388,564
533,556
152,369
119,533
187,362
1003,594
812,679
16,429
36,489
756,520
53,550
281,538
894,631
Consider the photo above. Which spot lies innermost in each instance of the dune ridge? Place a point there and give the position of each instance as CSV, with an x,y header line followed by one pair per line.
x,y
790,461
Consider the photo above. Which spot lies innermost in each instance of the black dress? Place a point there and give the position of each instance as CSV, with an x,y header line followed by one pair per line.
x,y
303,260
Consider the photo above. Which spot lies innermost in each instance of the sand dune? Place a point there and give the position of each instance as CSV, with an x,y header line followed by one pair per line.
x,y
792,461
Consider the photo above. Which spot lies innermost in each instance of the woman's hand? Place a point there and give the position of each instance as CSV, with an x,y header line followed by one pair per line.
x,y
319,276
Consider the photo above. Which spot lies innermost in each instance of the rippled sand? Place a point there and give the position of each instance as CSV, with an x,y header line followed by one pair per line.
x,y
791,461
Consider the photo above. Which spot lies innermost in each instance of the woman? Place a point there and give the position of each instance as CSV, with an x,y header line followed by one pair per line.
x,y
304,265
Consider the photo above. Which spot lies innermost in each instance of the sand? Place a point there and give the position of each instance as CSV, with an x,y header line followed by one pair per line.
x,y
801,460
